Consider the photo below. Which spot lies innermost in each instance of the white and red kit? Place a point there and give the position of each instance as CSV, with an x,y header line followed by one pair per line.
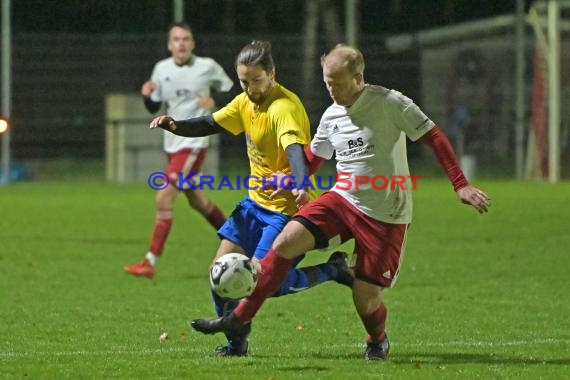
x,y
180,88
368,140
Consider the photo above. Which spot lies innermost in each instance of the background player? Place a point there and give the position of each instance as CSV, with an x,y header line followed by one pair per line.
x,y
184,82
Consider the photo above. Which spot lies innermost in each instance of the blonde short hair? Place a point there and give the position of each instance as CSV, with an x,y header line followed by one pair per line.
x,y
352,58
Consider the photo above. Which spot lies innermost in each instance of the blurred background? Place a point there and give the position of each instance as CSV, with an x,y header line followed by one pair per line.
x,y
493,74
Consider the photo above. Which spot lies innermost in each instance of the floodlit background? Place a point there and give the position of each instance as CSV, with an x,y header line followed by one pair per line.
x,y
461,61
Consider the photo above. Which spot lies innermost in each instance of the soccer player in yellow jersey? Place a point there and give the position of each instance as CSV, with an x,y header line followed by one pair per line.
x,y
276,129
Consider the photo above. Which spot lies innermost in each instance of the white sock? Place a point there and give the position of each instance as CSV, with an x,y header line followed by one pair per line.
x,y
152,258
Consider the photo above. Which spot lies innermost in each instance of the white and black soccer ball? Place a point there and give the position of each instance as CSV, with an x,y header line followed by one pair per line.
x,y
233,276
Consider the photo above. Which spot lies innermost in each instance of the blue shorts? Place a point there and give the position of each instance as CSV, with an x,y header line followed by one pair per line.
x,y
253,227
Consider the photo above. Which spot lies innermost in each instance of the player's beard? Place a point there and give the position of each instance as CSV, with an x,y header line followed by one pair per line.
x,y
258,98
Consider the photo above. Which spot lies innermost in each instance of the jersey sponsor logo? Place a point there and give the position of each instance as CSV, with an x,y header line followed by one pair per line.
x,y
182,92
357,150
355,143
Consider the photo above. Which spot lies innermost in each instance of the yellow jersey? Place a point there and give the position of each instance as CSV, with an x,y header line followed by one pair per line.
x,y
269,128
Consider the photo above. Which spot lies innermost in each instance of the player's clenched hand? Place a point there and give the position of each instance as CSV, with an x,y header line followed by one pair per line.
x,y
473,196
163,121
147,88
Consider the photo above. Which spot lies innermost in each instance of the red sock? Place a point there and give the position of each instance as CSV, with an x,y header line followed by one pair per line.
x,y
375,324
216,217
162,226
273,273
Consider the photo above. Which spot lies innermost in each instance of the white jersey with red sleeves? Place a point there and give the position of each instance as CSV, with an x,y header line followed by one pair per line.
x,y
180,88
369,140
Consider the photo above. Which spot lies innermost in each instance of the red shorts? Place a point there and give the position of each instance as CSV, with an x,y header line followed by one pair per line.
x,y
185,161
379,246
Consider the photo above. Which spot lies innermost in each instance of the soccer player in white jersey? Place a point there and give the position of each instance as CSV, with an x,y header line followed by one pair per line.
x,y
186,83
366,128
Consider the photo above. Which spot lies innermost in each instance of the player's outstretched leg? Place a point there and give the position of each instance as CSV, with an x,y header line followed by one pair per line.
x,y
235,346
345,275
233,350
335,269
235,332
226,324
237,324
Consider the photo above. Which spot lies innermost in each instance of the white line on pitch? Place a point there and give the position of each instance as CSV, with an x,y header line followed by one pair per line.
x,y
146,351
489,344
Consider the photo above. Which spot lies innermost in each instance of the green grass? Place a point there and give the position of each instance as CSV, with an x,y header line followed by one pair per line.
x,y
479,296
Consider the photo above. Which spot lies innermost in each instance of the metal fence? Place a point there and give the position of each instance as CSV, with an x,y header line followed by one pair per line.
x,y
60,82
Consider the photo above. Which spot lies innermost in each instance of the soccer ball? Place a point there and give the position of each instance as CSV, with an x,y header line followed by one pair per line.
x,y
233,276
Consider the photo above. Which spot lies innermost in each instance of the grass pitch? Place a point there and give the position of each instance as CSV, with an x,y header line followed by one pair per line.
x,y
479,296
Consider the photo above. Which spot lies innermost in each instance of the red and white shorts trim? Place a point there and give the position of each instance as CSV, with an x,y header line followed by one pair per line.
x,y
185,161
379,246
